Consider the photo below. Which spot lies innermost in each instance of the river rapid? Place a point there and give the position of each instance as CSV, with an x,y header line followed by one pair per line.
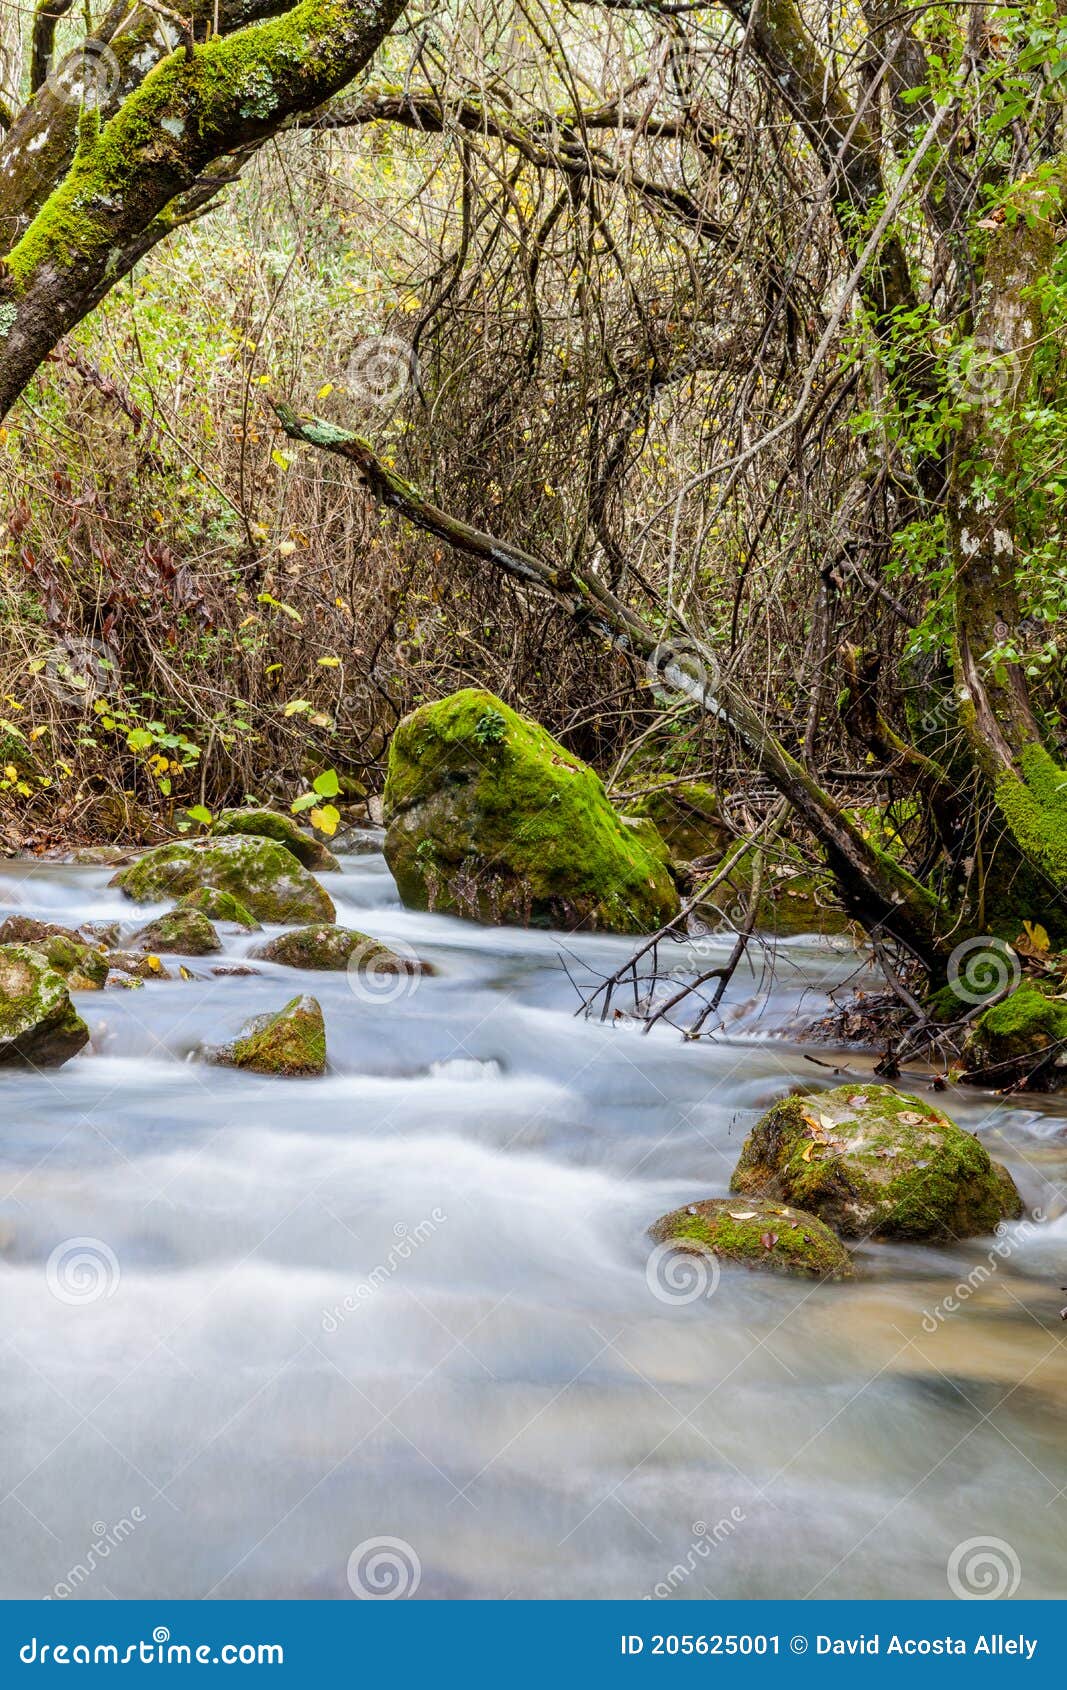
x,y
252,1325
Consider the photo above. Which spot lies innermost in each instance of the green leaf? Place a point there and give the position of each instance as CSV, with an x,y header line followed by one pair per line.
x,y
201,814
327,784
139,739
300,804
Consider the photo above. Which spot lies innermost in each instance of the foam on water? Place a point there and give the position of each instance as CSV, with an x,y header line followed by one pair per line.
x,y
414,1299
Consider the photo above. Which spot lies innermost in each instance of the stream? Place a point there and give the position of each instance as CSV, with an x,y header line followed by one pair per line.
x,y
253,1325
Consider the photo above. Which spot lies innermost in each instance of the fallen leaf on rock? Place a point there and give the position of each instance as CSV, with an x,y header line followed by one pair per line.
x,y
768,1240
742,1214
912,1118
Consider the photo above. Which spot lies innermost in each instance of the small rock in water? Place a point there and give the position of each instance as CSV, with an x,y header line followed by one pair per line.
x,y
291,1042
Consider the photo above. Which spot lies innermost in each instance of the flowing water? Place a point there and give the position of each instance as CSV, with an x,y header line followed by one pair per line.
x,y
251,1324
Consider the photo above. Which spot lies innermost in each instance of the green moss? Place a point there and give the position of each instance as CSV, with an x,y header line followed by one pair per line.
x,y
185,931
290,1043
688,816
758,1233
510,827
870,1160
39,1025
84,967
272,824
1034,805
1008,1041
324,946
261,874
219,906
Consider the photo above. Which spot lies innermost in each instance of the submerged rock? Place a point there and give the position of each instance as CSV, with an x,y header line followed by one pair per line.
x,y
869,1160
261,874
1022,1039
488,817
185,931
759,1233
273,824
325,946
291,1042
39,1026
219,906
128,968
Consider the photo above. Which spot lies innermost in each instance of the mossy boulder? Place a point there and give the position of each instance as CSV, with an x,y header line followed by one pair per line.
x,y
871,1161
325,946
291,1042
794,899
183,931
274,824
219,906
687,815
761,1234
1021,1039
39,1026
82,963
261,874
489,817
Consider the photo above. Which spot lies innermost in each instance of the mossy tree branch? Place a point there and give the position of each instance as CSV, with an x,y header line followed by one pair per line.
x,y
195,108
877,891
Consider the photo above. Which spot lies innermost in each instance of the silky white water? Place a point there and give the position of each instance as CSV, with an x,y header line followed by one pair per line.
x,y
411,1300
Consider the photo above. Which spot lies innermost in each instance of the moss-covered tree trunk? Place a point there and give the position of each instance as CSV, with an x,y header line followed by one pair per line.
x,y
139,172
1028,790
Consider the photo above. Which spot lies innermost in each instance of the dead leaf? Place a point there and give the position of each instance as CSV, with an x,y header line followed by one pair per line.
x,y
912,1119
768,1240
742,1214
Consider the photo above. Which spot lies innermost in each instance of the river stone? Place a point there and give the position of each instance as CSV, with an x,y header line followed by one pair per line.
x,y
140,965
328,947
82,964
184,931
39,1026
291,1042
261,874
219,906
1021,1040
489,817
869,1160
273,824
759,1233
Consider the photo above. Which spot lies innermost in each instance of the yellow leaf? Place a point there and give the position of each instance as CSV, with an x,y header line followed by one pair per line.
x,y
1034,932
329,662
325,818
324,392
35,733
10,771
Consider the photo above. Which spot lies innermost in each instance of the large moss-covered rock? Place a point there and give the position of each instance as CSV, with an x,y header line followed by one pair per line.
x,y
325,946
39,1026
761,1234
869,1160
261,874
81,962
219,906
291,1042
489,817
1022,1039
273,824
184,932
